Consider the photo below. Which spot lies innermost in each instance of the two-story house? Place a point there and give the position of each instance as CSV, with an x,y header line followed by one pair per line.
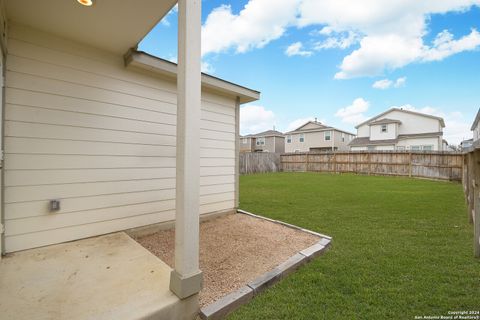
x,y
399,129
317,137
267,141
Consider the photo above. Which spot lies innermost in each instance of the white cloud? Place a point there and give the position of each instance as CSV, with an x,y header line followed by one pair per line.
x,y
382,84
444,45
207,67
295,49
354,113
254,119
377,53
337,42
325,30
260,22
392,35
457,128
389,36
387,83
166,20
400,82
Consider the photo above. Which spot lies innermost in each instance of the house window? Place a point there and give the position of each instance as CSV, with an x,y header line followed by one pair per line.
x,y
289,139
401,148
343,137
416,148
302,138
371,148
327,135
244,140
427,148
261,141
384,128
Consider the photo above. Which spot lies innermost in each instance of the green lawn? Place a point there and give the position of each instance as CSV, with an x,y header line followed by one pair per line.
x,y
401,247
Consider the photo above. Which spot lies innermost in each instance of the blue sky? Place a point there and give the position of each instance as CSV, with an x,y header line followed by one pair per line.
x,y
341,64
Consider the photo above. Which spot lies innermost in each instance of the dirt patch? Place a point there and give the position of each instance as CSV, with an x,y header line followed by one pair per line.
x,y
234,250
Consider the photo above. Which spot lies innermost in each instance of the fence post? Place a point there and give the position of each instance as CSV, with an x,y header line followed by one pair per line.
x,y
369,158
476,202
334,162
306,161
470,182
410,164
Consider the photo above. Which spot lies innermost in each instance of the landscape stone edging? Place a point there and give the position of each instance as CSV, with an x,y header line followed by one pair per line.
x,y
285,224
227,304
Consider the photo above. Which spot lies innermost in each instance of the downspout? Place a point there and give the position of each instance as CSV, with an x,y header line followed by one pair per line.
x,y
3,55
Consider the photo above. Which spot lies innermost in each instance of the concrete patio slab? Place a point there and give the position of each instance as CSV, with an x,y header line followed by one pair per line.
x,y
106,277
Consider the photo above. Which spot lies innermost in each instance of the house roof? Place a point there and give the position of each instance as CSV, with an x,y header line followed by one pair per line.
x,y
475,122
442,122
320,127
364,141
111,25
167,68
384,121
268,133
316,123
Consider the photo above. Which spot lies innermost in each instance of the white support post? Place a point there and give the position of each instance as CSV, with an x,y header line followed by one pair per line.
x,y
476,202
237,152
186,278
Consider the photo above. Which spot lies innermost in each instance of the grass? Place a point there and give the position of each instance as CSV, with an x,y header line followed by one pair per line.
x,y
401,247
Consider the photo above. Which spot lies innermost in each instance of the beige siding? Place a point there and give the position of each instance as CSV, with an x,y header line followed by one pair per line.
x,y
316,139
81,128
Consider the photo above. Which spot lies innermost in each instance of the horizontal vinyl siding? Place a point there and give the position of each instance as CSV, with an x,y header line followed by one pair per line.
x,y
81,128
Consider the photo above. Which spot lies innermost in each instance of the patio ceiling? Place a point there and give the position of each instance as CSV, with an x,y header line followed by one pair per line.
x,y
112,25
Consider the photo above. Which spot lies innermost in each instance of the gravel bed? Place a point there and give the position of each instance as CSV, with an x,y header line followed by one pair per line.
x,y
234,250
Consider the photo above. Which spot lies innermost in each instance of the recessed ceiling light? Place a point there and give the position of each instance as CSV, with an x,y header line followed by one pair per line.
x,y
86,3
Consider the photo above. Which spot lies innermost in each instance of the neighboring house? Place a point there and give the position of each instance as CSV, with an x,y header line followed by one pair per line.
x,y
399,129
267,141
476,127
99,137
465,144
314,136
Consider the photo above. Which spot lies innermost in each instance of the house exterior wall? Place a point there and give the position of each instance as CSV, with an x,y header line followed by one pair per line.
x,y
413,124
316,140
363,131
269,145
279,144
410,124
81,128
245,144
377,134
386,147
262,147
358,148
476,132
435,142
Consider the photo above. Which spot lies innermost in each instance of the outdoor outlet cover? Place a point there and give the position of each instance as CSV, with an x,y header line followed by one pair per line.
x,y
54,205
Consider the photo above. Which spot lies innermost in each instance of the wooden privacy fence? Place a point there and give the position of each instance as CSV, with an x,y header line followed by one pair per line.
x,y
433,165
259,162
471,187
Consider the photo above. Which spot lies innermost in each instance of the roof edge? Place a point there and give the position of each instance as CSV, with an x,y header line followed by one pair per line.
x,y
442,121
149,62
475,122
318,130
